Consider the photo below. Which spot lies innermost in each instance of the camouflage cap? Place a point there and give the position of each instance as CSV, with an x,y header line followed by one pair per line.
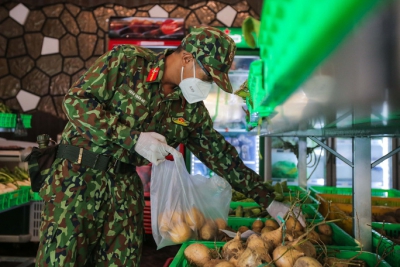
x,y
215,50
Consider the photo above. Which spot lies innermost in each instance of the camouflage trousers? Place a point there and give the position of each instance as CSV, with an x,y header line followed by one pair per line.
x,y
90,218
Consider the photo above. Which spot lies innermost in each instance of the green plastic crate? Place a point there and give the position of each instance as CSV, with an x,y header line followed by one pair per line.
x,y
8,120
35,196
19,196
349,191
4,201
384,245
370,258
26,120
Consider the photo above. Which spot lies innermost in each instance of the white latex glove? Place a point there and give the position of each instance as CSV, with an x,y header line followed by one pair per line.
x,y
153,147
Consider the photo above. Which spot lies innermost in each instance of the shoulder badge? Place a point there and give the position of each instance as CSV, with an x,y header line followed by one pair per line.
x,y
153,74
180,121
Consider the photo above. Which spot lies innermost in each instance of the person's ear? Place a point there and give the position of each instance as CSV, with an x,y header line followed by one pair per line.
x,y
186,58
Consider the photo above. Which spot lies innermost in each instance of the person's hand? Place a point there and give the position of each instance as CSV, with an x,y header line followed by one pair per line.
x,y
153,147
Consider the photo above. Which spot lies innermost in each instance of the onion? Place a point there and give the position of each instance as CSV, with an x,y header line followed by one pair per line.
x,y
267,229
180,232
225,264
307,262
208,231
260,247
273,238
232,249
197,254
285,256
292,224
221,223
272,223
257,224
249,258
164,223
325,229
213,263
194,218
243,229
177,217
304,246
313,237
327,240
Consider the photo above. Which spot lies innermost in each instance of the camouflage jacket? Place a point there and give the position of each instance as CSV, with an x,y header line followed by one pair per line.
x,y
112,103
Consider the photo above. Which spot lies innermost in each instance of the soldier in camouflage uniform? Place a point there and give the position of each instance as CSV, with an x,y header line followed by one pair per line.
x,y
94,216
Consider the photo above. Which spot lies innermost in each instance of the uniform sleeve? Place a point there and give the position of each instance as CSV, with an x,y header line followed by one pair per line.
x,y
216,153
85,104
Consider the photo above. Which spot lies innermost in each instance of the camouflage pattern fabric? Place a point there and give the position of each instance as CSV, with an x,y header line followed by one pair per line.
x,y
107,108
90,217
215,50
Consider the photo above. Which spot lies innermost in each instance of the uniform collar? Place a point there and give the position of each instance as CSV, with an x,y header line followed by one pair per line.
x,y
159,62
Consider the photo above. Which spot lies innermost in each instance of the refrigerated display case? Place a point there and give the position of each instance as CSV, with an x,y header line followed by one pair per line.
x,y
226,110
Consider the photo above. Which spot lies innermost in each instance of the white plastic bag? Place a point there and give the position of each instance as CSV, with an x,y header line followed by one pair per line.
x,y
185,206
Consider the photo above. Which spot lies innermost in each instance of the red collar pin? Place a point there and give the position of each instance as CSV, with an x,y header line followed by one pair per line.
x,y
153,74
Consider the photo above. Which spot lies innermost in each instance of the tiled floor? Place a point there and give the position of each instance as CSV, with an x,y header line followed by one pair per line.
x,y
151,257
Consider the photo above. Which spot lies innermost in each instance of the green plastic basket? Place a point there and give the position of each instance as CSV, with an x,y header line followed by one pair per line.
x,y
35,196
26,120
4,204
385,247
370,258
8,120
19,196
349,191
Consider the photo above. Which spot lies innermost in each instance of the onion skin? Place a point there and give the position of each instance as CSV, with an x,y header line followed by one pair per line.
x,y
197,254
232,249
285,256
307,262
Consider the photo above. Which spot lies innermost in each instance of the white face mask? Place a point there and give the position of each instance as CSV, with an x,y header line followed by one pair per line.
x,y
194,89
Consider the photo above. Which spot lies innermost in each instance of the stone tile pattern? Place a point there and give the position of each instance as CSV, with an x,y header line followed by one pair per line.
x,y
82,35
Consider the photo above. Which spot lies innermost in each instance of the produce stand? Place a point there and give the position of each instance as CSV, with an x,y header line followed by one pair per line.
x,y
15,207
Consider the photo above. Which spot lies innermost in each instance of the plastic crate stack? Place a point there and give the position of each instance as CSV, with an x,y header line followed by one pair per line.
x,y
9,120
14,198
383,201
